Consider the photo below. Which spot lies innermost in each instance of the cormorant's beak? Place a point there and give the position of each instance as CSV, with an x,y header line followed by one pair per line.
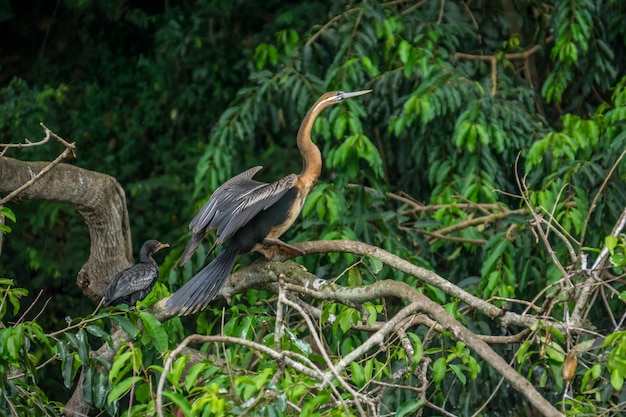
x,y
354,93
163,245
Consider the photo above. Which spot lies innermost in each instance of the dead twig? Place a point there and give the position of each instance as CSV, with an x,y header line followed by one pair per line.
x,y
494,59
70,151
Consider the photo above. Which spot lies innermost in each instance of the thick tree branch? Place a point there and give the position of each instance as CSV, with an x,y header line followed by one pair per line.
x,y
98,198
506,318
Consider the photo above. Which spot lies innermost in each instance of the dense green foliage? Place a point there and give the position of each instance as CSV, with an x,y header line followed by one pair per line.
x,y
435,166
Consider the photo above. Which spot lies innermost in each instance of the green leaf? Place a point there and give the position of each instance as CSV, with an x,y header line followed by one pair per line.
x,y
611,243
358,375
62,351
375,264
126,325
462,133
418,348
373,313
340,125
611,338
83,346
409,407
156,330
301,344
99,332
100,390
521,352
404,51
68,371
368,368
470,138
8,213
347,318
180,401
498,243
309,406
617,380
369,67
121,361
122,388
439,369
354,277
177,370
458,371
555,352
192,377
87,374
13,337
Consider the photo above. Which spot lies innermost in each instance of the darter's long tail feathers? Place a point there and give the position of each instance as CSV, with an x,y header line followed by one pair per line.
x,y
196,294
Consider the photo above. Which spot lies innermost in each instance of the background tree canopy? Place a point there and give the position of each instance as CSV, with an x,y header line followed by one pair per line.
x,y
490,152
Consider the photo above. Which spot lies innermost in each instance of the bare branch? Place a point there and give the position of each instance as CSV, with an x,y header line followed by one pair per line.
x,y
493,60
333,369
597,196
480,220
68,152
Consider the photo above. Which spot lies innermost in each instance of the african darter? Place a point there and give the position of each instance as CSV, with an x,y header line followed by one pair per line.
x,y
249,215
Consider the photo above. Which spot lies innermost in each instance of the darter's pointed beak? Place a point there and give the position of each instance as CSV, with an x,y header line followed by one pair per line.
x,y
354,93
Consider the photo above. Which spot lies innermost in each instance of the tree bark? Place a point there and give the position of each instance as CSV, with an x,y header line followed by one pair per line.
x,y
99,199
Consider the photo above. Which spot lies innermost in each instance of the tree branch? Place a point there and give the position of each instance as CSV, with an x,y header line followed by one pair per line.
x,y
493,60
98,198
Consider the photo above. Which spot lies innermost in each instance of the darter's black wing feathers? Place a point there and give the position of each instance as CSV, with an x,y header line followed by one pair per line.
x,y
232,206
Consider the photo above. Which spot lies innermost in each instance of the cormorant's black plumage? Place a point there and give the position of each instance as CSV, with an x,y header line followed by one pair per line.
x,y
135,283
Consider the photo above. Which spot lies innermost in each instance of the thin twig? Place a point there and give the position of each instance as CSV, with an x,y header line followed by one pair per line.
x,y
40,366
68,152
562,236
419,207
325,356
594,273
438,236
536,222
51,22
595,201
415,6
480,220
30,307
379,336
328,24
442,3
583,296
493,60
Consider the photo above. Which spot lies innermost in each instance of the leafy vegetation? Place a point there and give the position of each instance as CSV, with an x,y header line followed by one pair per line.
x,y
490,151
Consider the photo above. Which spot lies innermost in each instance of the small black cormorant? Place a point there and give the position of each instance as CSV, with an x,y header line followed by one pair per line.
x,y
135,283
